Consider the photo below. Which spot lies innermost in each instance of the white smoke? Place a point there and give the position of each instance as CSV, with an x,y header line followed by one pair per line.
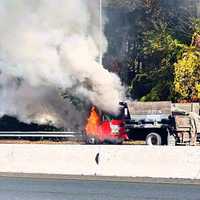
x,y
47,46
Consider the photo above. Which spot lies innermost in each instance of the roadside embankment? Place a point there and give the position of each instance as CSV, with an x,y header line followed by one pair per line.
x,y
108,161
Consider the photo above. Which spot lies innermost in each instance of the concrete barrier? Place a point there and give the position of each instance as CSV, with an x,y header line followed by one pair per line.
x,y
122,161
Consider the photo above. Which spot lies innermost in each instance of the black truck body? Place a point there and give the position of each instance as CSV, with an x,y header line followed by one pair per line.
x,y
158,123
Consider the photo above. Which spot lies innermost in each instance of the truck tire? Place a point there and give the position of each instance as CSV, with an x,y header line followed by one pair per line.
x,y
92,140
153,139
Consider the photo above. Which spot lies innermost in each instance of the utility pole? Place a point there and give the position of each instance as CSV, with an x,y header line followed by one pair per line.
x,y
101,31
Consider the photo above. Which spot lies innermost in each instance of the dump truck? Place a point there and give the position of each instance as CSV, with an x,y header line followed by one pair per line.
x,y
154,123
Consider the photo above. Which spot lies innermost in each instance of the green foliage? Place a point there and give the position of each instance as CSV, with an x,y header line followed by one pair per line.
x,y
158,78
187,72
160,40
159,35
196,25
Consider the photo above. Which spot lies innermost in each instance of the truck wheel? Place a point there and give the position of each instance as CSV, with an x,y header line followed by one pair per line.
x,y
153,139
92,140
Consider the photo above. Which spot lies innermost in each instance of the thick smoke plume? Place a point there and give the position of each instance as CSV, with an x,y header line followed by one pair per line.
x,y
47,47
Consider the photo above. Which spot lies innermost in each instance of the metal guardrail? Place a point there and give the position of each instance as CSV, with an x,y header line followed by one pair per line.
x,y
34,134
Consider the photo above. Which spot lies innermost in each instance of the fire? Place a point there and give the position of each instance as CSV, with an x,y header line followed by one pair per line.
x,y
93,122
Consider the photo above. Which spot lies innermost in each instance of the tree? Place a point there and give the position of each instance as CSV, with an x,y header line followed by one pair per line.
x,y
162,45
187,68
156,34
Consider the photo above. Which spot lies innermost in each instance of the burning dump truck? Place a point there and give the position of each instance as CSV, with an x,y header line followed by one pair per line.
x,y
155,123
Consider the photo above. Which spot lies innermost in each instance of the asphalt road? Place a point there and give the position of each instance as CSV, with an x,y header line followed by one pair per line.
x,y
60,189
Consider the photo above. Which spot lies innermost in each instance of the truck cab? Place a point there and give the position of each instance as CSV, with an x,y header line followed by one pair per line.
x,y
103,127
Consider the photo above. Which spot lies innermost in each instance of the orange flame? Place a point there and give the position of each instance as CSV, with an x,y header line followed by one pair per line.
x,y
93,122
